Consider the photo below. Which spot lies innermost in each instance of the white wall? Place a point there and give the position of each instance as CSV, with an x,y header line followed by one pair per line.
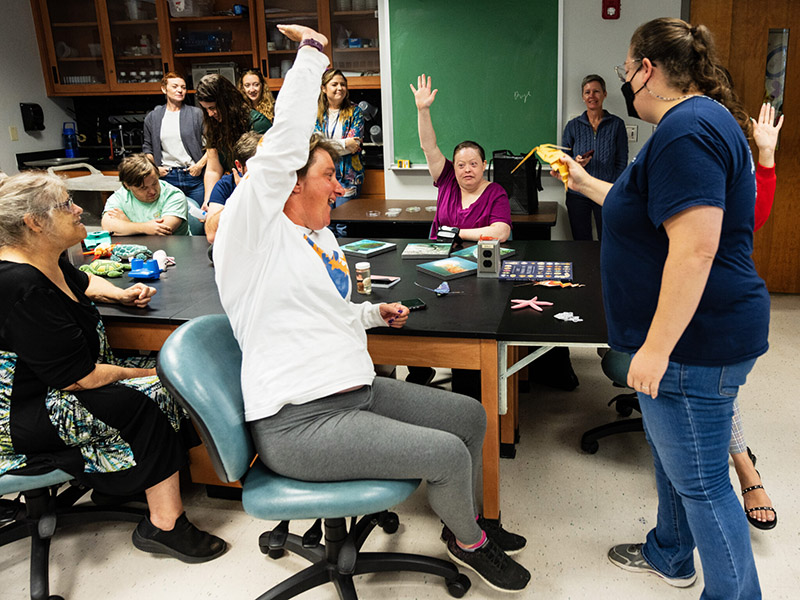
x,y
22,81
590,45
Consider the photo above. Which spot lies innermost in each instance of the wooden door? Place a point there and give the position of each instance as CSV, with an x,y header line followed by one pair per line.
x,y
741,28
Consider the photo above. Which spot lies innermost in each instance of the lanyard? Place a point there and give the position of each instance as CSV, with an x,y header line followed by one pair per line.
x,y
329,131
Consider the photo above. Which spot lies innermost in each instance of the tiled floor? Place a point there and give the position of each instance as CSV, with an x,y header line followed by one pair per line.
x,y
571,506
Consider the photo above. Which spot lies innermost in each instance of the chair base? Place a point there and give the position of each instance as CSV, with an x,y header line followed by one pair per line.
x,y
340,559
42,511
625,405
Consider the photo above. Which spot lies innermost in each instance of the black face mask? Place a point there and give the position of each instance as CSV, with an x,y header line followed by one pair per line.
x,y
629,95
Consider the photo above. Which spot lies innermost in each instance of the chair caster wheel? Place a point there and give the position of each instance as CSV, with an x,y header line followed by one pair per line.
x,y
275,553
459,586
390,522
623,410
590,447
55,597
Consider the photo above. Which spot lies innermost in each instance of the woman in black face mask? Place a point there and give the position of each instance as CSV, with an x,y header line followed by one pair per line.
x,y
683,298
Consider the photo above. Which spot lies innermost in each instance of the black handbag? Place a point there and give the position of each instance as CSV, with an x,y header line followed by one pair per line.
x,y
523,186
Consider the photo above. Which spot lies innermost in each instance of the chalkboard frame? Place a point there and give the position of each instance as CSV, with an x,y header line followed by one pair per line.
x,y
397,99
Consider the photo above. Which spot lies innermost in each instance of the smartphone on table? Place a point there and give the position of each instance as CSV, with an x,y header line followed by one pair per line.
x,y
413,304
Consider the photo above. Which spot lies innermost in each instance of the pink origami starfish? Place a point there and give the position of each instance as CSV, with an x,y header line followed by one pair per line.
x,y
533,303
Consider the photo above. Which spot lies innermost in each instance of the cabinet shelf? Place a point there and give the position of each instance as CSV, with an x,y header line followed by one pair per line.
x,y
81,59
212,54
283,16
137,57
138,22
346,14
217,18
76,24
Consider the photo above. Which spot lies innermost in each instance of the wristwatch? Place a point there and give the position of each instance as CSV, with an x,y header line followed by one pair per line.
x,y
313,44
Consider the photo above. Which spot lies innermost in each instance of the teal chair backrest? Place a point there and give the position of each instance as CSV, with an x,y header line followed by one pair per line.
x,y
200,364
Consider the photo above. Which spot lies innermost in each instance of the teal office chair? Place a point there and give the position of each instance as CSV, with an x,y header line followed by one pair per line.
x,y
615,365
39,509
200,363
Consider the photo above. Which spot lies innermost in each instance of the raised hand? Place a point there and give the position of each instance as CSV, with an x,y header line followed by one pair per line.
x,y
298,33
765,134
423,96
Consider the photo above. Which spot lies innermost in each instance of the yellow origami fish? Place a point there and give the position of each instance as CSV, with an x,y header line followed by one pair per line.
x,y
552,154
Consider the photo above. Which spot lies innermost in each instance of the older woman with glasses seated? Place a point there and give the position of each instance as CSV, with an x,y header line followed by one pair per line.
x,y
65,401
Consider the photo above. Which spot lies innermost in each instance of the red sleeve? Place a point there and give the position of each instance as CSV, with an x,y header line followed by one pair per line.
x,y
765,194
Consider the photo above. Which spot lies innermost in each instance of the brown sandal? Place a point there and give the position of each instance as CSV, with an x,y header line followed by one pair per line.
x,y
755,522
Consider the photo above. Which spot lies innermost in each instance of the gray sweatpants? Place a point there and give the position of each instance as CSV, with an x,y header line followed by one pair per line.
x,y
391,430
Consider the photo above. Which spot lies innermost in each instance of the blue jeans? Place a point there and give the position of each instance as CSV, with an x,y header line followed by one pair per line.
x,y
193,188
688,427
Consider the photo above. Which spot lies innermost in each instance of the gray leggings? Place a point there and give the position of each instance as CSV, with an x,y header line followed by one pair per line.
x,y
391,430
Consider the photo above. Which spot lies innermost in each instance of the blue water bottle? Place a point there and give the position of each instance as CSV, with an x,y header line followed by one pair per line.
x,y
70,139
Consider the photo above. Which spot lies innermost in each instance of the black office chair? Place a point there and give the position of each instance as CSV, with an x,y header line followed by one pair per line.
x,y
39,509
200,363
615,366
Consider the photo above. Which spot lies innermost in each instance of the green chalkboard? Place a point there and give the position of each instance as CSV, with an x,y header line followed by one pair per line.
x,y
494,62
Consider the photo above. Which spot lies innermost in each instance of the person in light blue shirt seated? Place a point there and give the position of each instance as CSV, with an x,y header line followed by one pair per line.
x,y
242,151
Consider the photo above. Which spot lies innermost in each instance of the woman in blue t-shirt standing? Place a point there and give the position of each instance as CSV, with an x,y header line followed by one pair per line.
x,y
683,297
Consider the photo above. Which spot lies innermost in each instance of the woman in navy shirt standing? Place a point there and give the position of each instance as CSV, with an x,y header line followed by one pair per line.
x,y
597,141
682,296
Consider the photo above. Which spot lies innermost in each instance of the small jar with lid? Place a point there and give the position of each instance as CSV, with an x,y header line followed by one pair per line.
x,y
363,278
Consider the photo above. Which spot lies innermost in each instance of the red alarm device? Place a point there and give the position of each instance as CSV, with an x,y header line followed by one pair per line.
x,y
611,9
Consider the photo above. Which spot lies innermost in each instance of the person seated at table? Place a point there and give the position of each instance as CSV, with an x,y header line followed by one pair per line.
x,y
342,121
228,115
314,406
65,401
144,204
466,199
244,149
173,140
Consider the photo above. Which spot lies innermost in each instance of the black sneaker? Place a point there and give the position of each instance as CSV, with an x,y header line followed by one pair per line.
x,y
184,541
510,543
493,565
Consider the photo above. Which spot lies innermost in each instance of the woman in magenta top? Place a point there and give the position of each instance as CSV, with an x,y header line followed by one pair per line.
x,y
466,199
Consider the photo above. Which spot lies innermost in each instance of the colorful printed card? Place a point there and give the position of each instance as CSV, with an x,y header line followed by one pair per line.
x,y
535,270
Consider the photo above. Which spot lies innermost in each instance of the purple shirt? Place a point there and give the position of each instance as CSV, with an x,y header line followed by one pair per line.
x,y
490,207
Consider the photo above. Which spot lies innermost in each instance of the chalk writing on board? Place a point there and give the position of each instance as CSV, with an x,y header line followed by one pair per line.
x,y
522,96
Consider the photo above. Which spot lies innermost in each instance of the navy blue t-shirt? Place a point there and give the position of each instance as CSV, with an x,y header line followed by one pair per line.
x,y
698,155
222,190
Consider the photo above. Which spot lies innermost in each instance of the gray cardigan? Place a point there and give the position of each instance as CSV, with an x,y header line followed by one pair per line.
x,y
191,125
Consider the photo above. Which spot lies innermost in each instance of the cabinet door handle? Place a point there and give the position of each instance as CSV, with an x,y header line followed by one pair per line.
x,y
264,70
55,76
166,68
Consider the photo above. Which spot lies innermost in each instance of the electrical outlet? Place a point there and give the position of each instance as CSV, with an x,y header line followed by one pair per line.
x,y
633,132
13,133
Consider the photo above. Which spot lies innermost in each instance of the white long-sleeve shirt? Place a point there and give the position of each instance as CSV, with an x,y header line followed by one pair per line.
x,y
300,339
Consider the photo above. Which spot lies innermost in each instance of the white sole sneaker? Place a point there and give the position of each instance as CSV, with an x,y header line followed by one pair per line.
x,y
629,557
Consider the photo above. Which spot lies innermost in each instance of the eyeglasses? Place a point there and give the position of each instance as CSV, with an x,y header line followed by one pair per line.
x,y
65,206
620,69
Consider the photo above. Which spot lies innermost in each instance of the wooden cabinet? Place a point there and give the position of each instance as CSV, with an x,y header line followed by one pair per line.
x,y
353,35
105,47
100,47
